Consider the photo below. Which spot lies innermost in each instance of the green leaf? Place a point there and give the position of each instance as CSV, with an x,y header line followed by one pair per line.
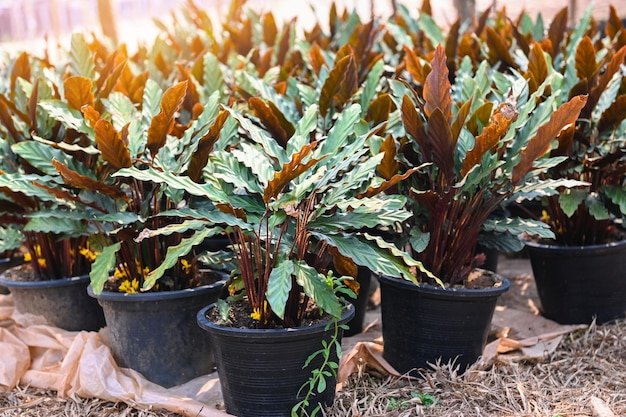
x,y
571,198
100,269
260,136
430,28
81,58
378,260
305,126
152,95
596,207
171,229
279,285
315,286
372,82
543,188
342,130
256,161
11,238
59,111
360,217
418,239
321,385
40,155
23,184
213,77
208,216
56,225
517,226
176,252
617,195
230,170
502,242
122,109
174,181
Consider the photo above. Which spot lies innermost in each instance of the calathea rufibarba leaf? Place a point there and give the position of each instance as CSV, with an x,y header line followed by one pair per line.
x,y
163,122
21,69
442,144
341,83
110,143
76,180
388,167
437,86
614,115
539,144
414,126
176,252
78,92
489,138
385,185
537,68
290,170
205,146
413,65
273,120
100,269
586,65
611,69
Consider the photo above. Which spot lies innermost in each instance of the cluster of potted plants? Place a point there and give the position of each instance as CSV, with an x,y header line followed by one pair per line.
x,y
392,148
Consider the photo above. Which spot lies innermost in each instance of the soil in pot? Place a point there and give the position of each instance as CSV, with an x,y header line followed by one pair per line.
x,y
156,334
579,283
63,302
425,324
261,371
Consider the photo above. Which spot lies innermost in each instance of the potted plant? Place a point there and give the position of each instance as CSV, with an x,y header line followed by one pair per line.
x,y
152,320
590,238
111,117
53,279
475,153
288,207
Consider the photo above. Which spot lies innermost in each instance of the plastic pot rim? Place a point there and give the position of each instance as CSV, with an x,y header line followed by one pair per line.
x,y
158,295
590,249
449,292
50,283
256,334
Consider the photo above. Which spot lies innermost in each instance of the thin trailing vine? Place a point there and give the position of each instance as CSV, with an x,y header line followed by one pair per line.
x,y
318,380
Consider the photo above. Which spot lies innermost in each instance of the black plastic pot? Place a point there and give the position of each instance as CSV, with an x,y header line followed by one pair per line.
x,y
492,257
156,333
261,370
355,326
63,302
576,284
4,265
424,324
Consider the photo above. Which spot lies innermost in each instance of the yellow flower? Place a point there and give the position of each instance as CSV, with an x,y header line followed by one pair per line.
x,y
186,265
41,262
27,257
129,287
88,253
120,273
256,314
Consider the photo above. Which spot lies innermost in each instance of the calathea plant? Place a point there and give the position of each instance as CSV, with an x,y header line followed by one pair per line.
x,y
32,202
287,207
479,148
594,149
161,140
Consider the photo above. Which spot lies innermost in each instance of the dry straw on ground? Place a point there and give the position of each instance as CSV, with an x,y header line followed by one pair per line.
x,y
586,376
